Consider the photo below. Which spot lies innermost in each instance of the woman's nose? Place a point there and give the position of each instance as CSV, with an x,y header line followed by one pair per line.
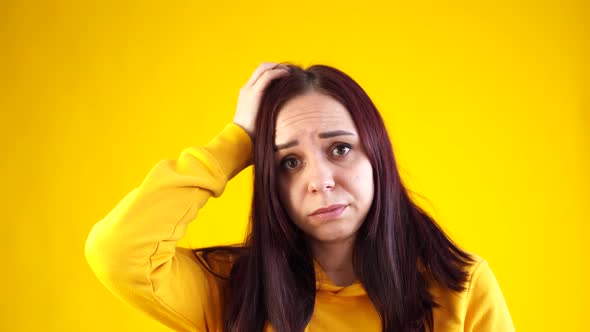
x,y
319,177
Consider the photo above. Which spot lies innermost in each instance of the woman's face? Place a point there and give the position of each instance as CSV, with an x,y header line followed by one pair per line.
x,y
322,165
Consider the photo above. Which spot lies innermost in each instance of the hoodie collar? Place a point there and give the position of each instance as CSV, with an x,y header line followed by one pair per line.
x,y
324,285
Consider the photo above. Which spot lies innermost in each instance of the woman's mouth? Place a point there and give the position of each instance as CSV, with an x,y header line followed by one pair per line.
x,y
328,213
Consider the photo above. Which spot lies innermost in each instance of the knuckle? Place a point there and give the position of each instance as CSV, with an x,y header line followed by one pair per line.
x,y
268,64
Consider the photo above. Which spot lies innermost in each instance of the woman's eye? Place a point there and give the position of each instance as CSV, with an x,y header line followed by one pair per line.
x,y
341,149
290,163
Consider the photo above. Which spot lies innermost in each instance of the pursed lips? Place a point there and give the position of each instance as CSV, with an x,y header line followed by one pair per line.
x,y
327,209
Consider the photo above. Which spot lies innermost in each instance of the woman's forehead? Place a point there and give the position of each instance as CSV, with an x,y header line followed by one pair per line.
x,y
312,112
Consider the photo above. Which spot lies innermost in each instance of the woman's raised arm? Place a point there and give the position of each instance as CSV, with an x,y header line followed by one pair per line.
x,y
133,249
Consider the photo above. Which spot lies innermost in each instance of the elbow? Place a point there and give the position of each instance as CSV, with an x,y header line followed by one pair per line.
x,y
99,255
92,251
114,257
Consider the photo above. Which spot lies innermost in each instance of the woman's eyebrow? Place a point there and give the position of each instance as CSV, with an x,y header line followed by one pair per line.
x,y
327,134
335,133
286,145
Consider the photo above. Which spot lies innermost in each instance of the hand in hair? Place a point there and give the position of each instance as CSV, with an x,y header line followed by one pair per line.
x,y
251,93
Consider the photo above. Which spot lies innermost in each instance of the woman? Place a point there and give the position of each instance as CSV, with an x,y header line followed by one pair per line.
x,y
335,243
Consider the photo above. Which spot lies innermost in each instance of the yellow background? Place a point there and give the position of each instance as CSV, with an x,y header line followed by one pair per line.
x,y
486,102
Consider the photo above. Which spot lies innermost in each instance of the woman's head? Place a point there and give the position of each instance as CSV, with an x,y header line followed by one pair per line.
x,y
321,164
320,143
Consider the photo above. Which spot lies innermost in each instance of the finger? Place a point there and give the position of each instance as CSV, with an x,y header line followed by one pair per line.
x,y
268,76
259,71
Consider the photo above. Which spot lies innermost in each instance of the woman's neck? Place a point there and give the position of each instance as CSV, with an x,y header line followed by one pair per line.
x,y
336,260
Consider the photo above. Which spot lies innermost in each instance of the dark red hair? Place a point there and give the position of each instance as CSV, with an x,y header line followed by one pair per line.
x,y
397,250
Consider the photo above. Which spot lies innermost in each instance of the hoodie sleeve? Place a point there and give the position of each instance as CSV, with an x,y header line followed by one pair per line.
x,y
486,309
133,249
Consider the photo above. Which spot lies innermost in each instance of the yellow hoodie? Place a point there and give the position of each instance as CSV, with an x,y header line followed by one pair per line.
x,y
133,252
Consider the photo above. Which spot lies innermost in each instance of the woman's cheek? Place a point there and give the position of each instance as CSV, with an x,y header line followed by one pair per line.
x,y
286,195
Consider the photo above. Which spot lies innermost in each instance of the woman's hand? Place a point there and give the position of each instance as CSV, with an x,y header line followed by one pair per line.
x,y
251,93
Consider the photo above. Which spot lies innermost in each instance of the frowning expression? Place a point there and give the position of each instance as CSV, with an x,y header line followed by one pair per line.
x,y
325,177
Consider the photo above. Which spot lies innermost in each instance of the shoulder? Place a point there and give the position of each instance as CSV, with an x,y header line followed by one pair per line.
x,y
484,306
474,268
480,306
479,276
480,280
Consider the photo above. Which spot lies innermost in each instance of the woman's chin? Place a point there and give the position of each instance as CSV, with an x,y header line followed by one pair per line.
x,y
333,235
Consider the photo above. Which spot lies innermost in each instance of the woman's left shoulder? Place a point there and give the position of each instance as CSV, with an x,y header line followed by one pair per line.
x,y
485,306
479,277
474,267
479,273
480,306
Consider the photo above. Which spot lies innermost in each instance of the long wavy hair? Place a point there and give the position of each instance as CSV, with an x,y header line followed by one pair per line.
x,y
398,249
